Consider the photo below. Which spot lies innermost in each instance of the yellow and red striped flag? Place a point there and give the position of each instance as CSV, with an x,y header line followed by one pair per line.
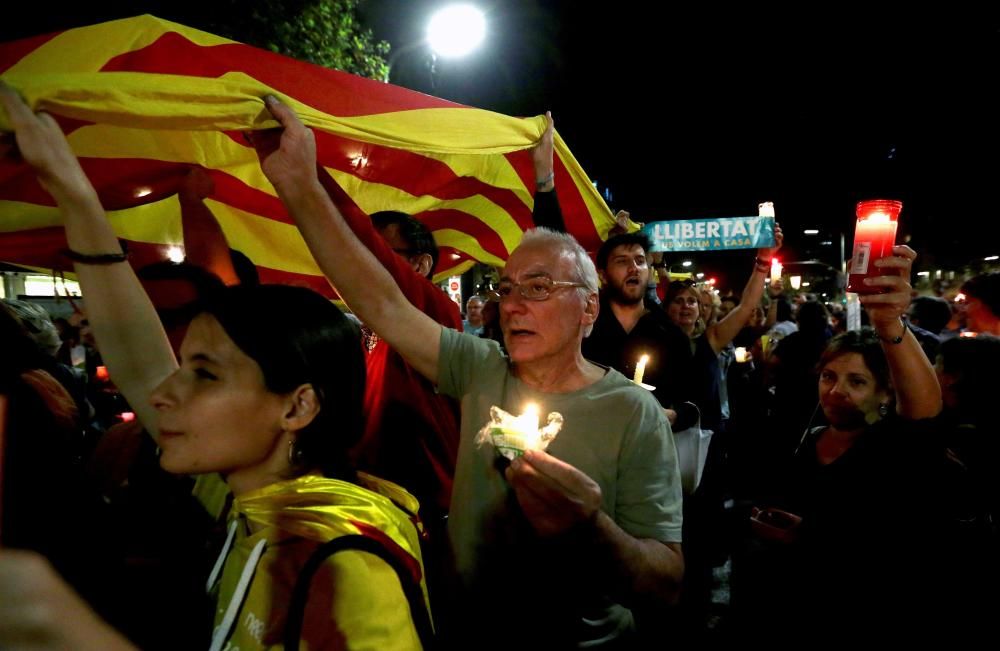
x,y
143,99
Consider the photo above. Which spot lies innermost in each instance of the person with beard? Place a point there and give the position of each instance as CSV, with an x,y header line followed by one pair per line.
x,y
628,327
861,492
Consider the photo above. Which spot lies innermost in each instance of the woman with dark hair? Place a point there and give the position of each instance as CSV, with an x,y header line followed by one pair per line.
x,y
268,395
682,303
859,534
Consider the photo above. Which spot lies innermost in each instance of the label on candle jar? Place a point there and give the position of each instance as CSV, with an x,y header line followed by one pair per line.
x,y
862,256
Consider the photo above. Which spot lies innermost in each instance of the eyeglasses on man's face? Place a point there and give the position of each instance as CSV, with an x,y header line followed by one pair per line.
x,y
535,288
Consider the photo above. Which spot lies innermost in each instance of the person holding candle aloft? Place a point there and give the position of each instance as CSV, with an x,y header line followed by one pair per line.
x,y
847,523
549,551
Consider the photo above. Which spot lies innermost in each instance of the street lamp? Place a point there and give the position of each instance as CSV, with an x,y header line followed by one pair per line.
x,y
456,30
452,32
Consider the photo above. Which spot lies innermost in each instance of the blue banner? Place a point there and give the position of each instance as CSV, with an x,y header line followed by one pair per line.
x,y
719,234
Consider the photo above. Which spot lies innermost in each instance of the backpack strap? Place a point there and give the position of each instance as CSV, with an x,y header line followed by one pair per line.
x,y
411,588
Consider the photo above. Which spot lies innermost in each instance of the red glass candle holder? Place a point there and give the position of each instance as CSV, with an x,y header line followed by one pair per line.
x,y
874,237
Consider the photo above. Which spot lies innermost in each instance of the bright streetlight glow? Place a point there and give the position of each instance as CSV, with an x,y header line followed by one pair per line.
x,y
686,263
796,281
990,258
923,273
811,231
699,275
456,30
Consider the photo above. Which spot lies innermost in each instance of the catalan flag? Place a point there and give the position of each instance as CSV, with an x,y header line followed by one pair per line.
x,y
142,100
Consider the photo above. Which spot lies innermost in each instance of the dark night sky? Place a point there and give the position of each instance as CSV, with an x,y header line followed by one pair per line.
x,y
689,112
706,112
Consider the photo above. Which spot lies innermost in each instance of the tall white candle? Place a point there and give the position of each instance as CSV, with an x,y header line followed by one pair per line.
x,y
776,268
640,369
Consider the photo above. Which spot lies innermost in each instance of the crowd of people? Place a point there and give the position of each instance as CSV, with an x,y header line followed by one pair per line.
x,y
299,477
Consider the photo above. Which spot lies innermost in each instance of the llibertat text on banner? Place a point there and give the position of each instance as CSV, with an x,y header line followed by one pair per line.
x,y
711,234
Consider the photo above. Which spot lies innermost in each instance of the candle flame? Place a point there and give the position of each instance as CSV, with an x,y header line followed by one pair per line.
x,y
640,369
512,434
878,218
527,425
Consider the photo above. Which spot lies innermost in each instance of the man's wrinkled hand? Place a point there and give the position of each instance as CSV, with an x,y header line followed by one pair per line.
x,y
555,496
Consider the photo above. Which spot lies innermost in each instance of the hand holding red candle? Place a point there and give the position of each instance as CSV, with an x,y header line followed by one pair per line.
x,y
874,236
887,306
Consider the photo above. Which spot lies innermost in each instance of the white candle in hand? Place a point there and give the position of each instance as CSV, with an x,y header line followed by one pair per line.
x,y
512,435
640,369
776,268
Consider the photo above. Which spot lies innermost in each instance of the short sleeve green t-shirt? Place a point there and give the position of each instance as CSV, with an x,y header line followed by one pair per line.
x,y
614,431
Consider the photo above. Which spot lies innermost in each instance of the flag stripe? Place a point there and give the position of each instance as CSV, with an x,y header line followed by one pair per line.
x,y
144,100
174,54
12,52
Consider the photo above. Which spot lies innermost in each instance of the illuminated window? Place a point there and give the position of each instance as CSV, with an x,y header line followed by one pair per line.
x,y
47,286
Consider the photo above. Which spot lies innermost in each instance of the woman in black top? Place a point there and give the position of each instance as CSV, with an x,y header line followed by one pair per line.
x,y
856,543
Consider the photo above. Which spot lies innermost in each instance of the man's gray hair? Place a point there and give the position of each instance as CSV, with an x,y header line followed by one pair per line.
x,y
549,239
38,324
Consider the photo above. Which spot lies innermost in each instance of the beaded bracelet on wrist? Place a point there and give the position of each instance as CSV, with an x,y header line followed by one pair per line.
x,y
94,258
